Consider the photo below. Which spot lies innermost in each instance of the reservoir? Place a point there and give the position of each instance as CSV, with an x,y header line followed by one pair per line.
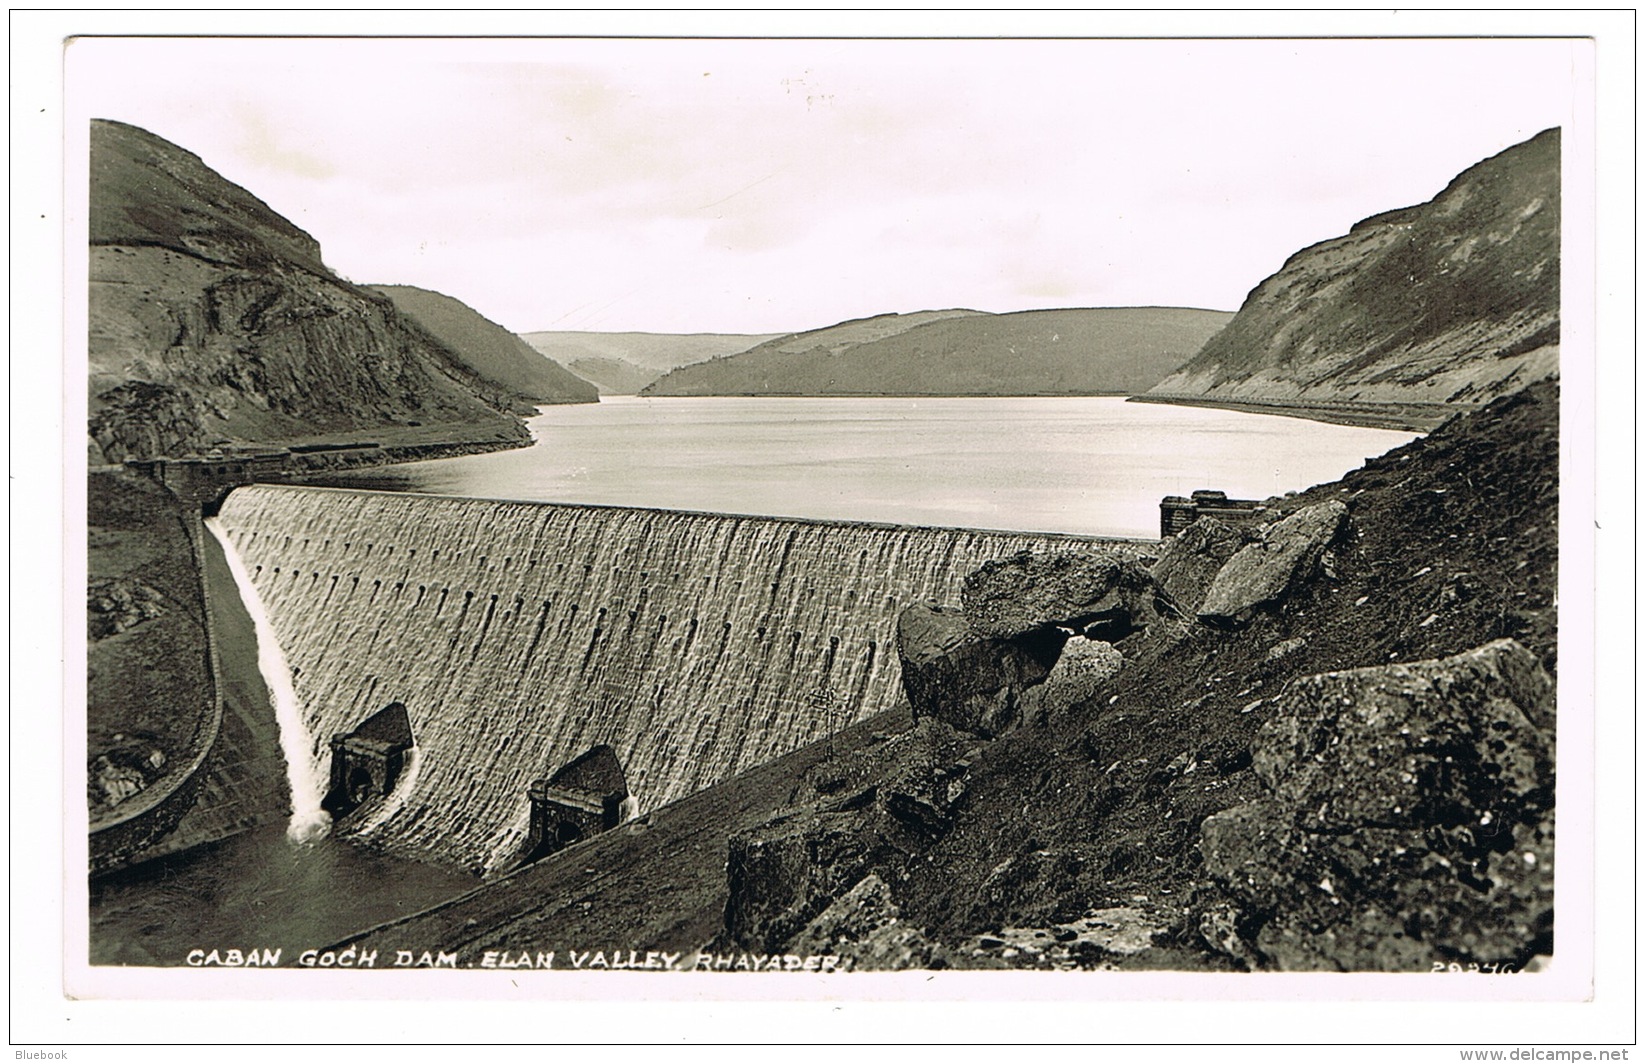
x,y
1088,466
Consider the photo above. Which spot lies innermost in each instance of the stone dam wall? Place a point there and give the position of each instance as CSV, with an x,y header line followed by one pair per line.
x,y
521,635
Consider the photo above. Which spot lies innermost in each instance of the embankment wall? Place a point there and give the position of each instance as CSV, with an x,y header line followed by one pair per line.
x,y
520,635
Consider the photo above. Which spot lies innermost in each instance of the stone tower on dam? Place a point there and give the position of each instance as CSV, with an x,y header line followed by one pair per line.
x,y
519,636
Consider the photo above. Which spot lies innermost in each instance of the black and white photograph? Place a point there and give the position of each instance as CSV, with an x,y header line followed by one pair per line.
x,y
747,515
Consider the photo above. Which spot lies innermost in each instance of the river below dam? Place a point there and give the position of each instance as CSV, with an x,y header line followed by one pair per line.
x,y
1083,466
258,890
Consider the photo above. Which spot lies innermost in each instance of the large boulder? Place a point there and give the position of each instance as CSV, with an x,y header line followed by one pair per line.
x,y
914,775
1408,819
1446,742
973,683
1082,670
1191,559
1288,555
1092,593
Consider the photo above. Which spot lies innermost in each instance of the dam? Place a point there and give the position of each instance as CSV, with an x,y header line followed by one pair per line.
x,y
506,640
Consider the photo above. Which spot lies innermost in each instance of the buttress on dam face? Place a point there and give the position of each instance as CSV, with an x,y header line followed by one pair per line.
x,y
520,636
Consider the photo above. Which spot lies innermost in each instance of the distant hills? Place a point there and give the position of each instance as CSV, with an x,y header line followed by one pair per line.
x,y
1097,351
622,363
212,318
489,349
1453,301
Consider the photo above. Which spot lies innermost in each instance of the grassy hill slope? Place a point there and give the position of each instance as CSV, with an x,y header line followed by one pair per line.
x,y
489,349
1105,351
1452,301
622,363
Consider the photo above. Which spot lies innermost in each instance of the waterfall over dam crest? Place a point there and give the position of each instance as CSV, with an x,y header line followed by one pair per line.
x,y
519,636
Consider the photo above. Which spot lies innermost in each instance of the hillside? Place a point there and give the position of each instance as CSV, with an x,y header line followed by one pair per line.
x,y
1453,301
622,363
1106,351
489,349
214,319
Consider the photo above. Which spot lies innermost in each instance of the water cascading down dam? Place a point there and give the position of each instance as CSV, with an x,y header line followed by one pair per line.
x,y
500,641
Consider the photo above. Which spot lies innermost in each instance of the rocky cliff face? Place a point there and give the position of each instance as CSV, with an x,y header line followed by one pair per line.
x,y
212,317
1452,301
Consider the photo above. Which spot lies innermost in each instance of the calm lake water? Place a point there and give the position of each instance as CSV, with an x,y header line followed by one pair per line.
x,y
1097,466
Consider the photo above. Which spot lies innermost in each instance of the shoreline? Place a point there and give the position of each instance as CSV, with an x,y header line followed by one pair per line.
x,y
1406,417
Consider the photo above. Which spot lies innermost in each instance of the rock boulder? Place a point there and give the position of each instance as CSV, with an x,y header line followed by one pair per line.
x,y
1380,899
784,873
1446,742
971,682
865,926
1288,555
1085,665
1104,598
1408,819
1192,558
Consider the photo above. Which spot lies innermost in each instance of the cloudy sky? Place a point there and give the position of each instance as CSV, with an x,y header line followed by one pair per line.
x,y
771,186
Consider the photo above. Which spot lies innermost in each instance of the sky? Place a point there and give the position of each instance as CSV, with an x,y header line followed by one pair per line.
x,y
772,186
